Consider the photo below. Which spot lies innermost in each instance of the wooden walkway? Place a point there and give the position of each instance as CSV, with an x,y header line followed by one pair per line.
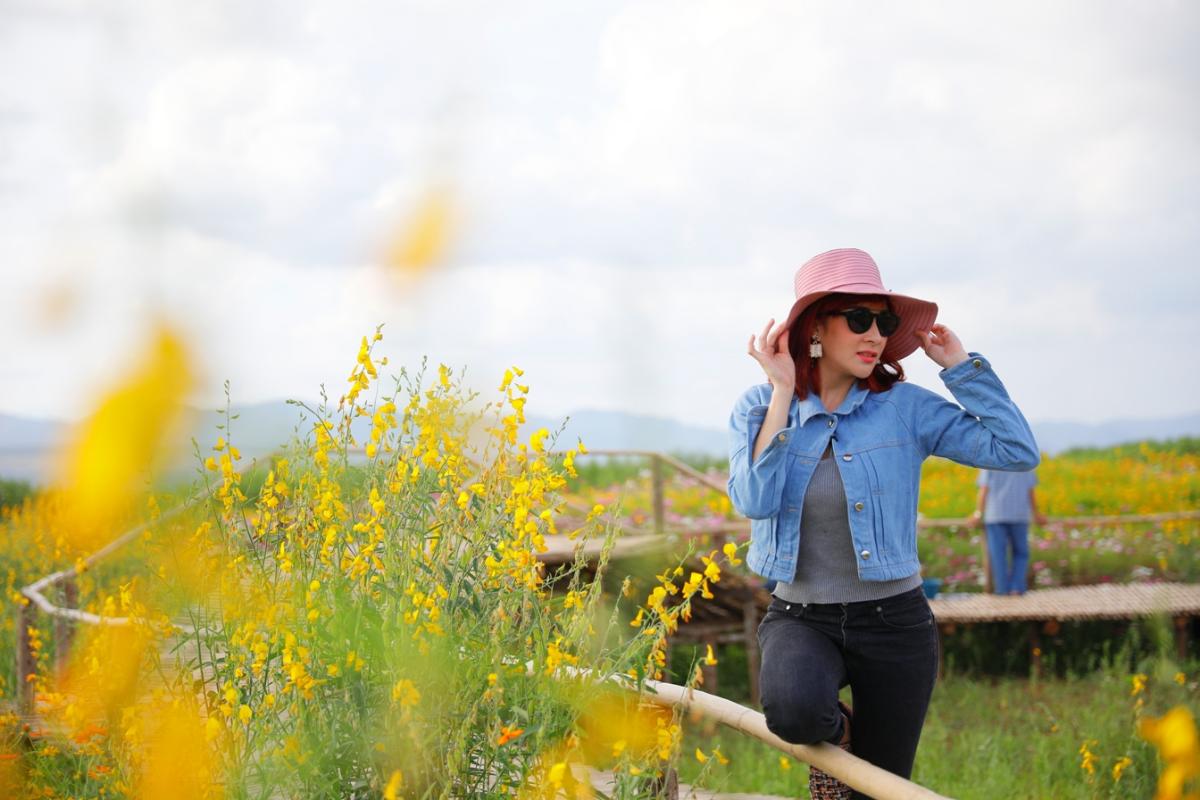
x,y
1097,601
1044,609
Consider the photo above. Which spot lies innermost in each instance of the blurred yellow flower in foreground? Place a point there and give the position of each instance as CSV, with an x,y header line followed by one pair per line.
x,y
614,723
1174,734
125,437
178,760
423,242
391,791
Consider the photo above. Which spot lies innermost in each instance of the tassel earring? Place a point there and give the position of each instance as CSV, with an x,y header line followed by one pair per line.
x,y
814,347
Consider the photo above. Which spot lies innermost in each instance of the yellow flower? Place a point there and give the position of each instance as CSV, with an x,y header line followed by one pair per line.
x,y
1174,734
393,786
244,713
1139,684
127,435
730,550
1180,678
700,756
784,763
1118,768
425,240
1087,760
709,658
555,656
178,762
405,692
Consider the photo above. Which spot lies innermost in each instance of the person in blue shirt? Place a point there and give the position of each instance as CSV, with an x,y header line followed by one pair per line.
x,y
825,459
1005,505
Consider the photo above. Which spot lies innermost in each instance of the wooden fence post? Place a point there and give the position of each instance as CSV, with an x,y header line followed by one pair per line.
x,y
64,629
26,666
1182,623
667,786
656,471
1035,648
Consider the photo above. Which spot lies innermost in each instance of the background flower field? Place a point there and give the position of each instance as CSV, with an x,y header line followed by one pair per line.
x,y
367,613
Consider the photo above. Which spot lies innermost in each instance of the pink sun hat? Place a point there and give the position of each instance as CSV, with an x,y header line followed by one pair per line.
x,y
849,270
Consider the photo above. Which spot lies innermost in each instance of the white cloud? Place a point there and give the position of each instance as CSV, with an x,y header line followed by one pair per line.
x,y
638,185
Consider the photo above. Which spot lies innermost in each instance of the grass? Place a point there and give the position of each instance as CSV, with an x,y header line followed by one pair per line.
x,y
13,492
1008,737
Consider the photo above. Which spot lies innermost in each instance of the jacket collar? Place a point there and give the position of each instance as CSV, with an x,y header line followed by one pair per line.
x,y
811,406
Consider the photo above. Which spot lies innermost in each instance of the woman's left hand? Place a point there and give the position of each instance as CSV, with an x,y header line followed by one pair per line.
x,y
942,346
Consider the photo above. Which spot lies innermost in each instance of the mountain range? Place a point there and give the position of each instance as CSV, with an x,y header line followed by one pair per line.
x,y
27,444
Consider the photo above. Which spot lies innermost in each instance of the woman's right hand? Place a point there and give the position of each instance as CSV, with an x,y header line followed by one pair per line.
x,y
773,356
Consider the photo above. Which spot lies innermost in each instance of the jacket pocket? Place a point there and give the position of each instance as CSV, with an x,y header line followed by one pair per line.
x,y
878,498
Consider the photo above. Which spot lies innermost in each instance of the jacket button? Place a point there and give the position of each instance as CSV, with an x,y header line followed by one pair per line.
x,y
831,423
847,457
783,437
858,506
977,364
865,554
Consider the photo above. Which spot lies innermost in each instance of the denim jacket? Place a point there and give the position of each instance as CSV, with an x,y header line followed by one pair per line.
x,y
879,441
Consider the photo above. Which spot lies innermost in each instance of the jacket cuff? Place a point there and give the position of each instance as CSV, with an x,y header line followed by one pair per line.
x,y
777,445
974,366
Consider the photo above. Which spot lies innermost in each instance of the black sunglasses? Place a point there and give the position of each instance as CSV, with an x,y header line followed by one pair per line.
x,y
859,320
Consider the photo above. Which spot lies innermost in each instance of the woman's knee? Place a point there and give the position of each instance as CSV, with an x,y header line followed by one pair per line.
x,y
800,721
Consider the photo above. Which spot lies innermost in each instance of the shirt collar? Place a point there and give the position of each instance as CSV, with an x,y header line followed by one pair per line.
x,y
809,407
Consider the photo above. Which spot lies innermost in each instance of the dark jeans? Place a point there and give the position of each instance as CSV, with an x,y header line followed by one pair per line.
x,y
1008,574
886,650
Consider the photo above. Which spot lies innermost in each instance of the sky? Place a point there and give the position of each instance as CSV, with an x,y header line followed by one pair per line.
x,y
635,185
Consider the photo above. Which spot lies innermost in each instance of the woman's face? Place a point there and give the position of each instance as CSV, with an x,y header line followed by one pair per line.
x,y
847,353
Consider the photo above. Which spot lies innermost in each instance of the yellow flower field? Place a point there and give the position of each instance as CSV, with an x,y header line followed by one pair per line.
x,y
371,622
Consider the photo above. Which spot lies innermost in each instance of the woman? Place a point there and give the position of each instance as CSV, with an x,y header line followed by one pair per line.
x,y
825,459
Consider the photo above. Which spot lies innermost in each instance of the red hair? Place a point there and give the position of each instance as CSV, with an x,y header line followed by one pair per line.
x,y
808,377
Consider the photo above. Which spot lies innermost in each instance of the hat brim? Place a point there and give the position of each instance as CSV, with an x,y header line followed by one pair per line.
x,y
915,315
